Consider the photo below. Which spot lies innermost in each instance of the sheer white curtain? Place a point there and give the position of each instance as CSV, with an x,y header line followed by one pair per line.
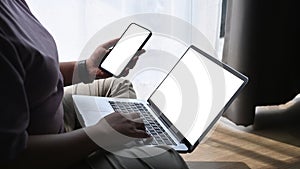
x,y
73,22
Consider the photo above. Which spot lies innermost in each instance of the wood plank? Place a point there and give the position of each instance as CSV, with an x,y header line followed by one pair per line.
x,y
230,146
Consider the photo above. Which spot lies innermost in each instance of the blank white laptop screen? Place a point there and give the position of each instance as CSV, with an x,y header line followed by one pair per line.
x,y
194,93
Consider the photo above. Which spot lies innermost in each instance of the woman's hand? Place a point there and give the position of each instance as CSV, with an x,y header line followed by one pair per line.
x,y
117,129
93,62
130,125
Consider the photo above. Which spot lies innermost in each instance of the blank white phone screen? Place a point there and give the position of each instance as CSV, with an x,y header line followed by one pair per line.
x,y
125,49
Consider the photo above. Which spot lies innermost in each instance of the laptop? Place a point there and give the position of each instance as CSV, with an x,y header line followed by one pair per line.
x,y
184,106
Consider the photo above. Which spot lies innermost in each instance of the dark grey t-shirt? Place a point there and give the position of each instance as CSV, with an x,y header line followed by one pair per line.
x,y
31,83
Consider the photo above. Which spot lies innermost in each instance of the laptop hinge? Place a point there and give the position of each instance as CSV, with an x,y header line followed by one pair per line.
x,y
176,133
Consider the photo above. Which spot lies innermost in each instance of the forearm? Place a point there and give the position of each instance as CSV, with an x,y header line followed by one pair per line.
x,y
69,72
57,151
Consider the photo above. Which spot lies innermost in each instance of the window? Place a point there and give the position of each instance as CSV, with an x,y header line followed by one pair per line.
x,y
73,23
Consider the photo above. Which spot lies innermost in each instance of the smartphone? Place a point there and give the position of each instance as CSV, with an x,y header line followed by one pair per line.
x,y
132,40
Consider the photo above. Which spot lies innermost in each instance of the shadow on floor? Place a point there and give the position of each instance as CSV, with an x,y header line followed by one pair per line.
x,y
216,165
281,123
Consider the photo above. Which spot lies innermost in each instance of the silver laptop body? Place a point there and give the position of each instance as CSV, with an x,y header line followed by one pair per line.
x,y
185,106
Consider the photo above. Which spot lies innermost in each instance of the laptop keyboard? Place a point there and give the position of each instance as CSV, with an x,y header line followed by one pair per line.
x,y
160,137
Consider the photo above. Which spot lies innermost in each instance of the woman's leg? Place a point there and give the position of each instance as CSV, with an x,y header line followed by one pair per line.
x,y
158,157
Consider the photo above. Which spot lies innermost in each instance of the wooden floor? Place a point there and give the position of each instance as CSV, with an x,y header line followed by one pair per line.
x,y
228,146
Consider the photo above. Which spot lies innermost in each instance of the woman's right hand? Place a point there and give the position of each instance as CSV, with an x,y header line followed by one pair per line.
x,y
129,124
117,129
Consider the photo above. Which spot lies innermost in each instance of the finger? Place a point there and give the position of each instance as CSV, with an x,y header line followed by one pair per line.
x,y
139,124
110,43
135,121
135,115
148,140
131,116
139,52
138,120
125,72
140,134
132,62
98,55
100,74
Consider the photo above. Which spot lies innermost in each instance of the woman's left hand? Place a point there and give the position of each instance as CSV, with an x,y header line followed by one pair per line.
x,y
93,62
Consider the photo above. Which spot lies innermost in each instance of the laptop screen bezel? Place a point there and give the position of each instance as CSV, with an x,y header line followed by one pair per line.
x,y
169,123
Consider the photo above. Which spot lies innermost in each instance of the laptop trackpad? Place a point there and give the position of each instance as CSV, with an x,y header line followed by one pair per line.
x,y
90,109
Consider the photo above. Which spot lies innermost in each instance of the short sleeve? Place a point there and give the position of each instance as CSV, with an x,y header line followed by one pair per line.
x,y
14,113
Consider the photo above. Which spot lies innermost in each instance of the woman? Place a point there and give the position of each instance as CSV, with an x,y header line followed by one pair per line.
x,y
32,130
